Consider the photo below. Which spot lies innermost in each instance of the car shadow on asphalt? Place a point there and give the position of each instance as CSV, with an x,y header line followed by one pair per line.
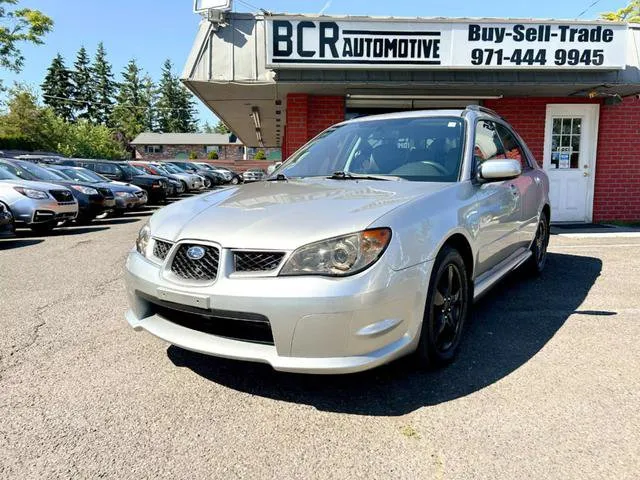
x,y
507,328
59,231
115,221
12,243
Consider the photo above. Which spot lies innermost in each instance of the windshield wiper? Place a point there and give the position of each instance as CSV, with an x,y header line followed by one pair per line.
x,y
350,176
281,177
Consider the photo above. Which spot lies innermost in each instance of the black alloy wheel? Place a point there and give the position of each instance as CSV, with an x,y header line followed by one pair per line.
x,y
539,246
445,311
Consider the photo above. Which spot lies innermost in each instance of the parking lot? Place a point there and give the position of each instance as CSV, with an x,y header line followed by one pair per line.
x,y
546,385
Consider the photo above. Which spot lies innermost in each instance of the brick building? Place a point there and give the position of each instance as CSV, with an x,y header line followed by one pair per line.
x,y
569,88
169,146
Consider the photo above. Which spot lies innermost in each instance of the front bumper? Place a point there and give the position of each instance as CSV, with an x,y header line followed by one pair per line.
x,y
319,325
29,211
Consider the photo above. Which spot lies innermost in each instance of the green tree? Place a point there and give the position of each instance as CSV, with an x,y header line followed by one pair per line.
x,y
82,90
149,99
105,87
212,155
207,128
57,89
85,140
221,128
193,156
129,114
630,13
18,26
175,106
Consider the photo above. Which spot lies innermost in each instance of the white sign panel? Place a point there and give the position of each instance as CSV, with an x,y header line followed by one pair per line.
x,y
300,43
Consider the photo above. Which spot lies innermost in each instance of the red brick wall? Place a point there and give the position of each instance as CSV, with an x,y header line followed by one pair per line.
x,y
308,115
617,185
617,194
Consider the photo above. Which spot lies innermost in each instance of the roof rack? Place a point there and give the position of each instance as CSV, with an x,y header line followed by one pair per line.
x,y
479,108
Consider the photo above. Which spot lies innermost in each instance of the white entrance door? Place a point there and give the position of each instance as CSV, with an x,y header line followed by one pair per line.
x,y
570,143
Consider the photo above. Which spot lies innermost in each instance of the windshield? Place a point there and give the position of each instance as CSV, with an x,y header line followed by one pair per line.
x,y
129,170
161,170
172,168
5,173
41,173
427,149
81,175
205,166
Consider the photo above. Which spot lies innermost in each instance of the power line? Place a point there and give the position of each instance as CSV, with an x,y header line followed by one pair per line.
x,y
588,8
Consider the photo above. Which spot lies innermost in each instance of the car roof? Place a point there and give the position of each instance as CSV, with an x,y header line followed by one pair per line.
x,y
470,110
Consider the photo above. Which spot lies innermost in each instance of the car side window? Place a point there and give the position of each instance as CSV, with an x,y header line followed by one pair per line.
x,y
106,168
488,145
512,147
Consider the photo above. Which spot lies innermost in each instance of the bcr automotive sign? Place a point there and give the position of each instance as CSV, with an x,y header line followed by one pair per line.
x,y
302,43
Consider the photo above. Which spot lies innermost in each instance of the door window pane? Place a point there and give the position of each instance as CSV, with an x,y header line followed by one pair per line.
x,y
488,145
565,142
512,148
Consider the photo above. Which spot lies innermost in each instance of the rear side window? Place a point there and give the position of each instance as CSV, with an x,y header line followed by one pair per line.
x,y
106,168
513,149
488,145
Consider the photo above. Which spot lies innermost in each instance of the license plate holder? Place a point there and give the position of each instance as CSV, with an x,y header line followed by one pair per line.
x,y
197,301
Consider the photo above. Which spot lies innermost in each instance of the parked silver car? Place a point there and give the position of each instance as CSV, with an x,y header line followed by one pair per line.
x,y
371,242
37,205
254,175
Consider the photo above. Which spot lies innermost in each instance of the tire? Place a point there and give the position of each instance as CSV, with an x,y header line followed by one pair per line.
x,y
446,311
536,263
185,187
207,183
43,227
235,181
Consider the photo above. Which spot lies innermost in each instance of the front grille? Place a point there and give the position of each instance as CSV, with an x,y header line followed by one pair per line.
x,y
247,327
257,261
106,193
161,249
204,269
62,195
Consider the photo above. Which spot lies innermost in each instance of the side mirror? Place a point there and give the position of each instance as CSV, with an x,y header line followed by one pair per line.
x,y
496,170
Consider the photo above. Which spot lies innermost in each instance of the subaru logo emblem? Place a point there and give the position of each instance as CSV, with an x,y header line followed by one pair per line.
x,y
196,253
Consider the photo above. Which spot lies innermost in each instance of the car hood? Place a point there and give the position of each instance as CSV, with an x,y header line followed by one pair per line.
x,y
117,186
285,215
33,184
146,176
124,184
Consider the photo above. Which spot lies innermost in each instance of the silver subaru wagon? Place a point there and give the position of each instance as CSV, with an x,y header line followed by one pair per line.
x,y
369,243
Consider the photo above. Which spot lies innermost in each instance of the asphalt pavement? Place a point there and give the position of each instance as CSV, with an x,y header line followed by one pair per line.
x,y
547,384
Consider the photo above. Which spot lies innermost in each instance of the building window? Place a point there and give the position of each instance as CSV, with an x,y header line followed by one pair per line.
x,y
153,149
251,152
212,148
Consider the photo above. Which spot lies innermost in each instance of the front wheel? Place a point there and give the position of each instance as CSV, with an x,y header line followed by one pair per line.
x,y
445,312
538,258
235,181
207,182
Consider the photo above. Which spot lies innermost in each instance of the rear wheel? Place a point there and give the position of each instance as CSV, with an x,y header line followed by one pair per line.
x,y
538,258
185,188
235,180
445,311
207,182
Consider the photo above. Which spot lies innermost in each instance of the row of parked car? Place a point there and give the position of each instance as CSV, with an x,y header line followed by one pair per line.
x,y
42,193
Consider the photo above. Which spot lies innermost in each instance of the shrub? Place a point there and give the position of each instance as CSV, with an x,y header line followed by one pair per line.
x,y
213,155
193,156
260,155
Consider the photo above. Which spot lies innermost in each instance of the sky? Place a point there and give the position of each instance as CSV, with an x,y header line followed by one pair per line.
x,y
153,30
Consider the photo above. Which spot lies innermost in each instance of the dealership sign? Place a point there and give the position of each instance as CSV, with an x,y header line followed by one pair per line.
x,y
306,43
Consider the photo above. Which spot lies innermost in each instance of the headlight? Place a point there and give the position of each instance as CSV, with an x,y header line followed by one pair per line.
x,y
85,190
340,256
31,193
124,194
143,240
